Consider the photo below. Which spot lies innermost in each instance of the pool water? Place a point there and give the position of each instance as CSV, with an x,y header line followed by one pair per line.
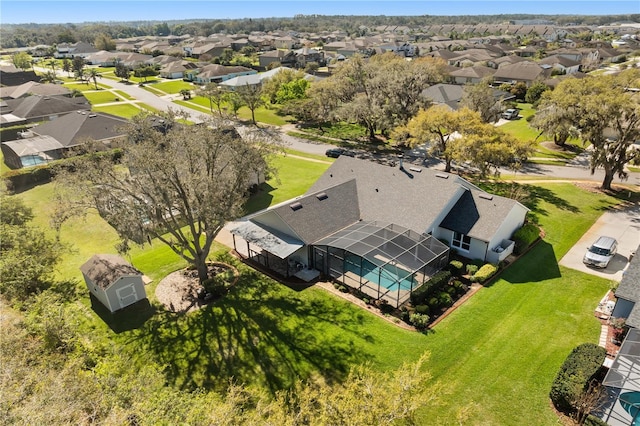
x,y
387,276
630,401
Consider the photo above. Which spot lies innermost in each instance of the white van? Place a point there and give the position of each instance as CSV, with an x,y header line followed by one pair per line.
x,y
601,252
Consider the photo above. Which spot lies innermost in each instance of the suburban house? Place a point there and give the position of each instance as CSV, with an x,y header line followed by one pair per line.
x,y
562,64
12,76
71,50
283,57
214,73
37,108
451,95
53,140
622,381
522,72
474,74
378,228
33,88
113,281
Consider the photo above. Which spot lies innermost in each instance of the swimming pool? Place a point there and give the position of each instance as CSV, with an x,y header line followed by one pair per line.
x,y
630,401
387,276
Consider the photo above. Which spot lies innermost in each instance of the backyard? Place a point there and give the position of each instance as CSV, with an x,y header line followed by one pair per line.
x,y
495,357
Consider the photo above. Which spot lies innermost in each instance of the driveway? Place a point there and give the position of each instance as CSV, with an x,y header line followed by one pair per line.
x,y
624,226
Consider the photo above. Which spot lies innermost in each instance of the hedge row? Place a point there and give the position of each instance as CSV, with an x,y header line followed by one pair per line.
x,y
436,282
524,237
20,179
574,375
484,273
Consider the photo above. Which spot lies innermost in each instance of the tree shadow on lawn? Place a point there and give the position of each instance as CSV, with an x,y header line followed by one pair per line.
x,y
261,199
260,333
529,195
537,265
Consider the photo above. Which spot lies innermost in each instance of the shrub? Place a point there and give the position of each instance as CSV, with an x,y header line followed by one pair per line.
x,y
433,303
451,290
472,269
422,309
525,236
592,420
435,283
419,321
455,266
574,375
445,299
484,273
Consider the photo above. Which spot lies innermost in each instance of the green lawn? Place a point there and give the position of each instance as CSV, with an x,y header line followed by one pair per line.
x,y
123,110
107,96
83,87
172,87
495,356
263,114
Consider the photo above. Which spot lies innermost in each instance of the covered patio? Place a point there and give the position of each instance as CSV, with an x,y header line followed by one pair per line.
x,y
383,260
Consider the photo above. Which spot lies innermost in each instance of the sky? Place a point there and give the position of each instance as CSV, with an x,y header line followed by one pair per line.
x,y
77,11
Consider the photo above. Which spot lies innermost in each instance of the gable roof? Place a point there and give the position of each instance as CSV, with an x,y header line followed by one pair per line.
x,y
478,214
34,88
104,269
313,216
448,94
12,76
71,129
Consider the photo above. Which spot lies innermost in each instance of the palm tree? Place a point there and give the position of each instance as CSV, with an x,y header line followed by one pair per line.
x,y
93,74
186,94
48,77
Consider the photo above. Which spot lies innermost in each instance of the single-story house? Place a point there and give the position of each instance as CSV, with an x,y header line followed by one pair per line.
x,y
33,88
113,281
12,76
628,294
37,108
53,140
522,72
379,228
71,50
214,73
562,64
474,74
451,95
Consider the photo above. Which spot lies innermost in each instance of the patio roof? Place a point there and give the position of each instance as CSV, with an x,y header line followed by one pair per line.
x,y
387,243
267,239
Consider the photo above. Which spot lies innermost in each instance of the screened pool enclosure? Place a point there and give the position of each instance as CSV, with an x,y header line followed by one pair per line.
x,y
384,261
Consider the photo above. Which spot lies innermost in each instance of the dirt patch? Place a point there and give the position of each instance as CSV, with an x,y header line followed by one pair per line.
x,y
568,148
178,291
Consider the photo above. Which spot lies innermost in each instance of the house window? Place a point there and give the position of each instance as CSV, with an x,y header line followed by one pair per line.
x,y
461,241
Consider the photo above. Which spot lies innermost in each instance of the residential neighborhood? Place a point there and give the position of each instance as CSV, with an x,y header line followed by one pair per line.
x,y
233,219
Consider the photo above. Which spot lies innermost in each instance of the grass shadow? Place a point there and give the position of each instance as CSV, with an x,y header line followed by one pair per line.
x,y
537,265
261,333
130,318
529,195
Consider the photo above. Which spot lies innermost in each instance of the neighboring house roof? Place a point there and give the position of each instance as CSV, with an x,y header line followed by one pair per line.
x,y
12,76
560,60
216,70
104,269
72,129
521,71
43,106
32,146
448,94
254,79
476,72
629,289
33,88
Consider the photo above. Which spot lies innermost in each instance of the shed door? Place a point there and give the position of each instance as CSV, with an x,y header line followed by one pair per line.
x,y
127,295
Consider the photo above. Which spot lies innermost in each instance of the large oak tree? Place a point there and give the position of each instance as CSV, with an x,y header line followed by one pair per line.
x,y
176,183
604,112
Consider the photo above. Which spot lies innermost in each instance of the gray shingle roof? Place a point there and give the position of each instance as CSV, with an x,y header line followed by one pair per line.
x,y
320,213
74,128
478,214
43,106
104,269
629,289
416,200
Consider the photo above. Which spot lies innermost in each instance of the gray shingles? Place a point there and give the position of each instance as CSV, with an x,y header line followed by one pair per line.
x,y
629,289
104,269
318,217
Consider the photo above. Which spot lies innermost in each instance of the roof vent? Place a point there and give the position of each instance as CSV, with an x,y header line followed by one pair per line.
x,y
442,176
486,196
92,115
322,196
295,206
415,169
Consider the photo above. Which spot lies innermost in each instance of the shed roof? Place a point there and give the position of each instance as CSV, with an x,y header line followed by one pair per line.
x,y
104,269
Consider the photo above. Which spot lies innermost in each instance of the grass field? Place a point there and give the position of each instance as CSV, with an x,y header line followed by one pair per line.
x,y
103,97
172,87
495,357
263,114
123,110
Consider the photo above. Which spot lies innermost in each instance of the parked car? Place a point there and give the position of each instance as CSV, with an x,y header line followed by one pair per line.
x,y
601,252
337,152
510,114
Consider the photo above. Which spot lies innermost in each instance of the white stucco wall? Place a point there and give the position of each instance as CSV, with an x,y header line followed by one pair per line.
x,y
511,223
